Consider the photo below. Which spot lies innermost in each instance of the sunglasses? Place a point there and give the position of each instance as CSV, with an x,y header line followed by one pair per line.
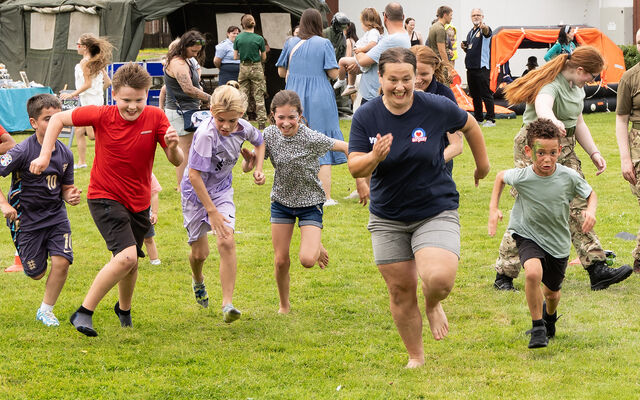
x,y
200,42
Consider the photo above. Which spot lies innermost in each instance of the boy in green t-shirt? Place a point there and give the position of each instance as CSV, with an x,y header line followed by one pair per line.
x,y
250,49
540,222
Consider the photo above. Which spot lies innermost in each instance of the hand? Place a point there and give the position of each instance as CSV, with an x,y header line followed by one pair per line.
x,y
560,125
477,175
72,195
382,146
38,165
352,67
589,221
357,51
363,191
171,138
494,217
153,218
628,172
258,177
599,162
455,138
9,212
217,221
65,96
249,158
463,45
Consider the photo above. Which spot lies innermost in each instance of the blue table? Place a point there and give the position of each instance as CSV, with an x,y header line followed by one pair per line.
x,y
13,107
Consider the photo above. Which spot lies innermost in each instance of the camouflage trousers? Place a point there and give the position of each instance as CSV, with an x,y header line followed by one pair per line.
x,y
587,244
634,147
253,85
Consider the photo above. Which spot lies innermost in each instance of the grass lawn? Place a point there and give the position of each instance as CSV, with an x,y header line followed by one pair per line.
x,y
339,340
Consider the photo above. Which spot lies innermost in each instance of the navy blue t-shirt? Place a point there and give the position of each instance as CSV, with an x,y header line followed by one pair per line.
x,y
412,183
37,198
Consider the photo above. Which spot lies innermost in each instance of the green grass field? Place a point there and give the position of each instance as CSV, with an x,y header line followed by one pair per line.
x,y
339,340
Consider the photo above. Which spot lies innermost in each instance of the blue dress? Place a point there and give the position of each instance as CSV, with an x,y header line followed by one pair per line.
x,y
308,78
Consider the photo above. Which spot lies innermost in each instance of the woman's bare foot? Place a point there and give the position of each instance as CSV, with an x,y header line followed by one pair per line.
x,y
323,260
438,321
415,363
284,309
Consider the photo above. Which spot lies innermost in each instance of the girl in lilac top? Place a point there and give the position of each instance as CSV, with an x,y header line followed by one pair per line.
x,y
207,195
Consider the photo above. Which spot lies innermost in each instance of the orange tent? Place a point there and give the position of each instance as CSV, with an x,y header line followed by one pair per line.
x,y
507,40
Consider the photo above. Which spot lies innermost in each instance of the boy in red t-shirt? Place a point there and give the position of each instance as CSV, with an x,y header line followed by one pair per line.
x,y
120,184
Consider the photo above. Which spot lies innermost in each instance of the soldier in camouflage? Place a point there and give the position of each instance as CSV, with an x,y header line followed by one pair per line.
x,y
628,109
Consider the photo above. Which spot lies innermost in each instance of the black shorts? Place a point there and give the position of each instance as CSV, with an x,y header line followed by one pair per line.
x,y
35,246
552,268
119,227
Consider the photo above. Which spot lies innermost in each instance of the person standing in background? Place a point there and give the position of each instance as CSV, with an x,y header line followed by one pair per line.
x,y
229,66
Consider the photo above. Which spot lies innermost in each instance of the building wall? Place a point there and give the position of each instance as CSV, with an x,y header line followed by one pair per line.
x,y
497,13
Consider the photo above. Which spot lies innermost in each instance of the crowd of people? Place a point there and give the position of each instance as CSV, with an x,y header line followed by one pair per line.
x,y
408,118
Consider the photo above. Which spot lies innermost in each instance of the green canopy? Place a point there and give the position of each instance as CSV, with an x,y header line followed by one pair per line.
x,y
47,51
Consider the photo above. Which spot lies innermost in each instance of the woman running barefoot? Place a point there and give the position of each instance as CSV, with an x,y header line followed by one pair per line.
x,y
207,195
297,193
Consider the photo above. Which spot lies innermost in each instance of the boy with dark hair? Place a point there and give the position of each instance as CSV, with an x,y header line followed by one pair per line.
x,y
540,222
35,211
120,185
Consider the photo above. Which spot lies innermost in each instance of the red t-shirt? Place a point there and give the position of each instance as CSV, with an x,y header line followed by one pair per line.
x,y
124,153
3,131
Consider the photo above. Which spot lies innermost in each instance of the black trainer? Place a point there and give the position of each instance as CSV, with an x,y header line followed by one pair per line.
x,y
549,321
503,282
602,276
538,337
636,266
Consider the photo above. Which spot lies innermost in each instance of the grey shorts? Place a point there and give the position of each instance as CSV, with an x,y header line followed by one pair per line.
x,y
176,121
397,241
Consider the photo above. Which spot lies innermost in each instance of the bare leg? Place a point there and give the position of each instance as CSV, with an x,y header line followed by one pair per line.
x,y
152,250
228,267
533,277
402,281
552,298
437,269
125,288
56,279
352,78
82,145
121,266
281,239
185,144
342,72
197,257
311,249
90,133
325,178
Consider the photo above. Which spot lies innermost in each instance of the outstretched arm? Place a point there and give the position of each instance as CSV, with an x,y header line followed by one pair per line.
x,y
6,143
495,215
56,123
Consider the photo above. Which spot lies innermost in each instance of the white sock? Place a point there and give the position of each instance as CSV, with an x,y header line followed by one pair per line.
x,y
45,307
196,283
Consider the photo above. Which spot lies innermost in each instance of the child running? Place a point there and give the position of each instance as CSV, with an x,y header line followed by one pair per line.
x,y
207,194
297,193
540,222
127,135
372,26
35,211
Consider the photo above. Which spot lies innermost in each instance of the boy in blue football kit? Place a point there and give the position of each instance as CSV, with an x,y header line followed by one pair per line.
x,y
35,209
540,222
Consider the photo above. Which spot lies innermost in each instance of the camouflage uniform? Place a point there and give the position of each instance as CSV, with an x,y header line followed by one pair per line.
x,y
587,244
253,85
634,147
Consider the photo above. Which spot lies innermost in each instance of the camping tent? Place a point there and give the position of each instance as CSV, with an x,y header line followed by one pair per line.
x,y
39,36
507,40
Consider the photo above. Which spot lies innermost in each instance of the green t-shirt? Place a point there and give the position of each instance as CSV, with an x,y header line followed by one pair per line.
x,y
567,105
437,34
628,100
541,210
249,46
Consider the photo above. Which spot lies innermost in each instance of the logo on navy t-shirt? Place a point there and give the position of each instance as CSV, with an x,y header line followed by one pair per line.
x,y
5,160
418,135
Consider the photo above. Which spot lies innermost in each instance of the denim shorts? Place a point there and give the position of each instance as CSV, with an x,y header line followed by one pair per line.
x,y
281,214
